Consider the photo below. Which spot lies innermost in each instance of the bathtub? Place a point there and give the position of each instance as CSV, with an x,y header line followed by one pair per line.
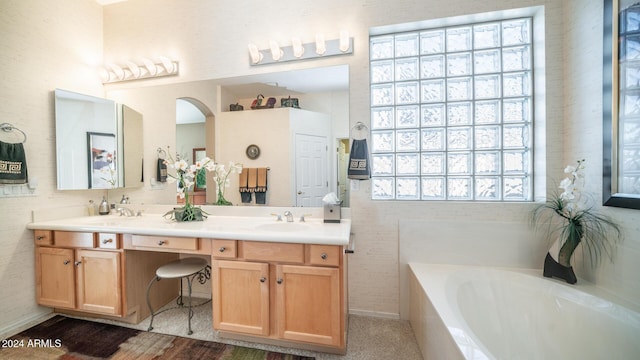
x,y
467,312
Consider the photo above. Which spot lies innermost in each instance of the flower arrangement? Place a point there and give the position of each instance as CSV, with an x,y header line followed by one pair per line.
x,y
109,175
579,222
185,175
221,177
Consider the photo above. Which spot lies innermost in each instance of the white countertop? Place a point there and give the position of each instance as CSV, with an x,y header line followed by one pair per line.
x,y
255,227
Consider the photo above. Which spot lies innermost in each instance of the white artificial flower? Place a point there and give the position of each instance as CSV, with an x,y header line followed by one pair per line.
x,y
569,169
181,165
210,165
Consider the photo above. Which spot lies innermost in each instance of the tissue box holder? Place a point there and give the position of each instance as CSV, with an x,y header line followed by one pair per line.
x,y
332,213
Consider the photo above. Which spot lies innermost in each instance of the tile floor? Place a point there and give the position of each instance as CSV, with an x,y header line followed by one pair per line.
x,y
369,338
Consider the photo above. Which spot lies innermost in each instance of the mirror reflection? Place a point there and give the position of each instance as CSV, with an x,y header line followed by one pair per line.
x,y
98,143
86,151
305,149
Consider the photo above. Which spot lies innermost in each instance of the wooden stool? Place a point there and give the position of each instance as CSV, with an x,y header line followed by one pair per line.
x,y
189,269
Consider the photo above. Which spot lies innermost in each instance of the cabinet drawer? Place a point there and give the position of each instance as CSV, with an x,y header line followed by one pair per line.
x,y
268,251
43,237
74,239
165,242
108,241
224,249
327,255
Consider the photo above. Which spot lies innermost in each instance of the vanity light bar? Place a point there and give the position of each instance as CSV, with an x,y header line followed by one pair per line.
x,y
299,51
112,73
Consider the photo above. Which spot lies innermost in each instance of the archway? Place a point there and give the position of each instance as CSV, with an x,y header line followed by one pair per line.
x,y
195,134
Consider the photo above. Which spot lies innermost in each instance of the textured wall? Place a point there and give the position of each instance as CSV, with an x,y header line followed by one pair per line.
x,y
44,45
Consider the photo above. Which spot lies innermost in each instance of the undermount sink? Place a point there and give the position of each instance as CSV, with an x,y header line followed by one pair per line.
x,y
283,226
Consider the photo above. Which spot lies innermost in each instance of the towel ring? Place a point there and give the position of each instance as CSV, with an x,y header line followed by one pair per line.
x,y
6,127
359,131
161,152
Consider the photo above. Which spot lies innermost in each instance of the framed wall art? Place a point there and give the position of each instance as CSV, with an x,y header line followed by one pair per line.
x,y
101,151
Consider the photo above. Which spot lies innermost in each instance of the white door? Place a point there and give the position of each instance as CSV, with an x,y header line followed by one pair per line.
x,y
311,169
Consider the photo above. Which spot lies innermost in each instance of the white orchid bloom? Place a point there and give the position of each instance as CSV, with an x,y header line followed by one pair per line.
x,y
569,169
210,165
181,165
565,183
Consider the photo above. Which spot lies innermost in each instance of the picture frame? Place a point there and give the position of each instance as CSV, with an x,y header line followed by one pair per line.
x,y
102,160
200,182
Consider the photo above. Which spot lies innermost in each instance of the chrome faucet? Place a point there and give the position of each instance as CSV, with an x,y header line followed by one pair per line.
x,y
125,211
289,216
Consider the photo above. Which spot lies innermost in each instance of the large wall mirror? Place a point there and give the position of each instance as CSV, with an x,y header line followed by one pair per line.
x,y
98,143
621,104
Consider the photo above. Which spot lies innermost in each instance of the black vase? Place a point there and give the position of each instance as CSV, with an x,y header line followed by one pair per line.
x,y
553,269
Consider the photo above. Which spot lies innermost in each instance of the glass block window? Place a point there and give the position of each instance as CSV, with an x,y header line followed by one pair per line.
x,y
451,113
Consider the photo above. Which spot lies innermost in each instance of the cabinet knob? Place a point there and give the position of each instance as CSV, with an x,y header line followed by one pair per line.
x,y
279,281
324,256
263,279
161,242
222,249
66,262
107,241
40,237
78,263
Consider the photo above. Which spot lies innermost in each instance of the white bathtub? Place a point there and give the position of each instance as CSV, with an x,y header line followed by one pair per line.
x,y
467,312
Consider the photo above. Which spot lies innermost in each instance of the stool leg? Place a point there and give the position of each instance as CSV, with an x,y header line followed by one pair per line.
x,y
156,278
190,314
179,300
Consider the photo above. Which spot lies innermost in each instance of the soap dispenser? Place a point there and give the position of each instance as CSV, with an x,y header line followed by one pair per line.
x,y
103,209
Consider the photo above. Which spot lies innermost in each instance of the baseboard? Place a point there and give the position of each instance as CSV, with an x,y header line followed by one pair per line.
x,y
377,314
24,324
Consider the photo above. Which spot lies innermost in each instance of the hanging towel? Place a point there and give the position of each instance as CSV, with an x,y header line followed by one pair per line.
x,y
13,164
161,171
245,193
359,167
261,188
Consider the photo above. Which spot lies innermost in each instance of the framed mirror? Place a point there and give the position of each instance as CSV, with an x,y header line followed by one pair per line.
x,y
621,104
98,143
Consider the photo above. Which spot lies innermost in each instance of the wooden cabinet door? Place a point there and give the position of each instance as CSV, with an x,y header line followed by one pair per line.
x,y
99,280
308,303
55,279
241,297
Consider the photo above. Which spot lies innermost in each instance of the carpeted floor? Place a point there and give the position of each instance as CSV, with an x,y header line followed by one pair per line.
x,y
75,339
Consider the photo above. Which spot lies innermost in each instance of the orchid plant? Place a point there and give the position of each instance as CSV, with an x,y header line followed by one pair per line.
x,y
185,177
579,220
221,176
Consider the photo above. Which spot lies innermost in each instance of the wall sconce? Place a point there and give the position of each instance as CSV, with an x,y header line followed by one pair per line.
x,y
321,45
345,41
132,71
256,55
276,52
300,51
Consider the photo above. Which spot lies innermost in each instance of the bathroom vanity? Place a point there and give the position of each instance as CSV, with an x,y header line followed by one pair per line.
x,y
275,282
